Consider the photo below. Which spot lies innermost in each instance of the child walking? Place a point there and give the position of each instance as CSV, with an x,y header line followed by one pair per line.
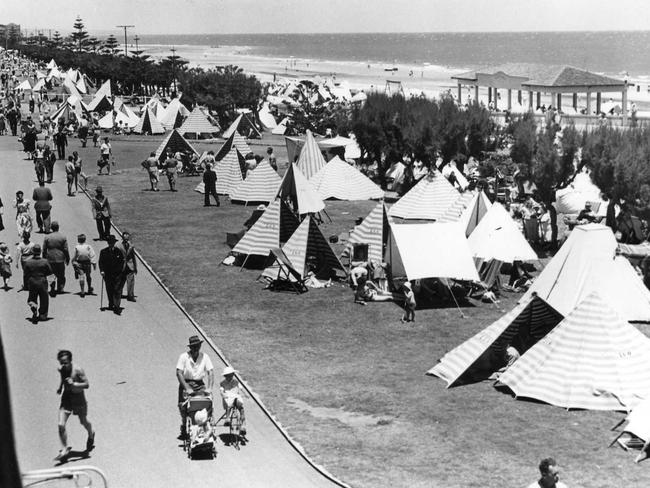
x,y
5,264
83,261
409,303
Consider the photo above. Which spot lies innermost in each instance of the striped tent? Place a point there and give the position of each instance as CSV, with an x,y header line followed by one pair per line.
x,y
342,181
176,143
148,124
483,354
474,212
228,170
586,262
302,195
497,237
372,231
243,124
156,107
274,227
100,104
592,360
260,185
235,140
430,199
307,249
197,125
455,212
310,161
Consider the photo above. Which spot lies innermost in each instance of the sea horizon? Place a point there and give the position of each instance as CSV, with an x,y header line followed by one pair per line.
x,y
611,52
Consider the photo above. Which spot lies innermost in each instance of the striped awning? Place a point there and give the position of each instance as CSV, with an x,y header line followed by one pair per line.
x,y
430,199
592,360
481,355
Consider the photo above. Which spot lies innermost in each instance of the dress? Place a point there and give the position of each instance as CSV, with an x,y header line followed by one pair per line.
x,y
24,221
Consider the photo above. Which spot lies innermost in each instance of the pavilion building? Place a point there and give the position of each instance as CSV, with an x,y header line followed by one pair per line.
x,y
536,79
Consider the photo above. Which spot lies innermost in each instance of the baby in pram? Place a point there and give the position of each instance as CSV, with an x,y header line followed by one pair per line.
x,y
201,432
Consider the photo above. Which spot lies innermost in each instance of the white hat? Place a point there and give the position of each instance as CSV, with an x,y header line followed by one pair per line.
x,y
228,370
201,417
407,284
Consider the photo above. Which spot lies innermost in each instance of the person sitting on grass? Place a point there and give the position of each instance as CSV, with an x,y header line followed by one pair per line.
x,y
359,271
550,475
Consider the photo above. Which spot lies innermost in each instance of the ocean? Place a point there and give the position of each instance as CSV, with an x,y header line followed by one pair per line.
x,y
613,53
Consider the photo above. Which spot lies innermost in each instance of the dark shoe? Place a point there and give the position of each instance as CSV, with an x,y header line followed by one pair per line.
x,y
90,443
208,205
90,291
242,430
52,289
82,294
42,317
117,311
34,313
130,299
63,453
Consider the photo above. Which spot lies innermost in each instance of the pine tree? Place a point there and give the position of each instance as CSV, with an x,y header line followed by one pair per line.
x,y
111,45
56,39
93,43
79,36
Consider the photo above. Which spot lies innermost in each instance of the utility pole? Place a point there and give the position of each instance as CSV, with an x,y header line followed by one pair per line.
x,y
173,56
125,27
136,39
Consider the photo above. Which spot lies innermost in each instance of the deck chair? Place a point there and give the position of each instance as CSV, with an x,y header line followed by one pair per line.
x,y
489,275
280,275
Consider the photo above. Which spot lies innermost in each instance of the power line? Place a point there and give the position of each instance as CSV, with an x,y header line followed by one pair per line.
x,y
125,27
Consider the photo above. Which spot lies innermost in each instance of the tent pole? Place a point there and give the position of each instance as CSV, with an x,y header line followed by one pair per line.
x,y
242,264
454,298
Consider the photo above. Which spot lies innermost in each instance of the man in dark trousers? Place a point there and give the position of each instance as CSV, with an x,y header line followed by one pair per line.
x,y
42,197
210,185
36,272
130,266
55,250
102,213
61,140
111,266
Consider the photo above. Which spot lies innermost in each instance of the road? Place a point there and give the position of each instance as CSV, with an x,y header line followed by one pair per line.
x,y
130,362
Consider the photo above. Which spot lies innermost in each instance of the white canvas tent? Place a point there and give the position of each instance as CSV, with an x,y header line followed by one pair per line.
x,y
310,161
497,237
483,354
339,180
572,199
173,115
592,360
295,188
197,124
586,263
435,250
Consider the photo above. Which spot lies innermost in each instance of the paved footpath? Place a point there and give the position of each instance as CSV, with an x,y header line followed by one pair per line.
x,y
130,362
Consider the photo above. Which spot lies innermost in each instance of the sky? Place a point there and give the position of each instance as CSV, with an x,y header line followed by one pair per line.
x,y
327,16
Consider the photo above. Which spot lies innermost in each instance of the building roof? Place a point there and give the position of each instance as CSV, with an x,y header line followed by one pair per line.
x,y
543,75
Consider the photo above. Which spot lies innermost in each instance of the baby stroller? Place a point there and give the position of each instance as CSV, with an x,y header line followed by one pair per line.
x,y
200,440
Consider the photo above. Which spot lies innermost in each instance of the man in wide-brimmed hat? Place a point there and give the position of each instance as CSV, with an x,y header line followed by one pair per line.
x,y
194,372
102,213
111,266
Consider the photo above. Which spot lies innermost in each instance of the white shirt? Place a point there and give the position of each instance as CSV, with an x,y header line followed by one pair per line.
x,y
105,148
194,370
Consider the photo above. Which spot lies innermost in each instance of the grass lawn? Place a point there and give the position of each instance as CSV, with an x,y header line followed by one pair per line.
x,y
348,381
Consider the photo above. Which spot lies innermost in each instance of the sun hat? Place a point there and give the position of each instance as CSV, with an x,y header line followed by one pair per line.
x,y
201,417
111,238
407,284
228,370
194,341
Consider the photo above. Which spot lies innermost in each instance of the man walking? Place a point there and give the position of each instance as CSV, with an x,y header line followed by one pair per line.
x,y
131,265
61,141
50,161
84,260
42,197
105,151
73,402
36,272
39,163
171,168
151,165
102,213
24,251
111,267
210,185
55,250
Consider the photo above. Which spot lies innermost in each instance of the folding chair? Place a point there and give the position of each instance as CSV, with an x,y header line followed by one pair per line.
x,y
280,275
